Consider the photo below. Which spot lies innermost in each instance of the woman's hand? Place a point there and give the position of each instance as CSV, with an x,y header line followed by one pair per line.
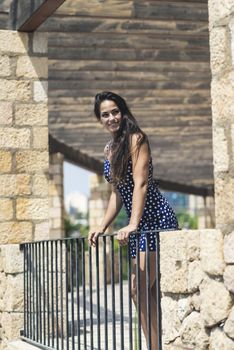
x,y
93,235
124,233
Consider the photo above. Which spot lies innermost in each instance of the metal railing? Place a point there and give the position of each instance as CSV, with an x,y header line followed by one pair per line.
x,y
78,297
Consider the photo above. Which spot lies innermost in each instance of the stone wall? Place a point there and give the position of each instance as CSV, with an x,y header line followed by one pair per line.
x,y
221,26
24,203
56,196
11,293
197,267
197,291
100,191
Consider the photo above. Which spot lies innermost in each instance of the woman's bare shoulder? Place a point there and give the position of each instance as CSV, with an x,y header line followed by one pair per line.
x,y
107,149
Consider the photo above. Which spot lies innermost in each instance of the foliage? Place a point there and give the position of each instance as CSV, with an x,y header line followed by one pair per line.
x,y
121,220
72,225
186,220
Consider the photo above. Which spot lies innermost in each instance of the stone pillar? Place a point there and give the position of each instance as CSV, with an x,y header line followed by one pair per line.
x,y
100,193
23,165
221,26
56,196
99,197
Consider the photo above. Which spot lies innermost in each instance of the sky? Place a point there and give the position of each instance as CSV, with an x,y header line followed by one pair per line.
x,y
76,179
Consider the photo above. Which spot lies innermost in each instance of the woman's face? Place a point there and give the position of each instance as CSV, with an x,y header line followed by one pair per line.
x,y
110,116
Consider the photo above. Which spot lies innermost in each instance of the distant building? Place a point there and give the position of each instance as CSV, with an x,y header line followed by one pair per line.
x,y
76,205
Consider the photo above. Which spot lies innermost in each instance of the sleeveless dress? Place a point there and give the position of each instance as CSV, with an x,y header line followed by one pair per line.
x,y
157,214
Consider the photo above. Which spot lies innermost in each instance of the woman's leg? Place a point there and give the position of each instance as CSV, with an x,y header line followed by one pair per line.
x,y
143,295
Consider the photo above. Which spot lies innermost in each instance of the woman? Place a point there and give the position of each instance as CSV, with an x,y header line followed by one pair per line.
x,y
128,166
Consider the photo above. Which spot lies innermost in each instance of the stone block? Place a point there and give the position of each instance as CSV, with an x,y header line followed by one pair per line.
x,y
219,340
54,190
184,307
6,209
13,299
40,42
232,141
40,138
218,10
40,185
5,161
229,324
57,179
14,138
40,91
220,47
231,28
220,150
13,42
170,320
32,209
222,100
55,213
216,302
13,259
2,258
57,202
32,67
13,185
15,232
57,223
56,168
12,323
5,67
212,259
41,231
193,333
5,113
195,276
196,301
174,272
228,277
15,90
32,161
229,248
31,114
193,245
3,285
224,204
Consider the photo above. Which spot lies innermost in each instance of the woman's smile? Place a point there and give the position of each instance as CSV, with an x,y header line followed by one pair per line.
x,y
110,116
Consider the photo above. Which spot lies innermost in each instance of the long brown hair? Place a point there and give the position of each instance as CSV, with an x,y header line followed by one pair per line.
x,y
120,146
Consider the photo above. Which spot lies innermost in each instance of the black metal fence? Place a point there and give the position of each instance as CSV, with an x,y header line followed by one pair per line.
x,y
78,297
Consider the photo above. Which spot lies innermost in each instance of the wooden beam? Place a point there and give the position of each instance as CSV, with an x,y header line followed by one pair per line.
x,y
89,163
28,15
177,187
75,156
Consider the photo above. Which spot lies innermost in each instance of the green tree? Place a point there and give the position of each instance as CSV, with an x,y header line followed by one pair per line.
x,y
186,220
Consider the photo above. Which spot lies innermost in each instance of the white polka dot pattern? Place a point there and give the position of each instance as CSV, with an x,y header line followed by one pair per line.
x,y
157,214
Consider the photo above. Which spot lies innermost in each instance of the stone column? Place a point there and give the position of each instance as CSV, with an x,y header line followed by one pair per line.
x,y
23,165
100,193
221,26
56,196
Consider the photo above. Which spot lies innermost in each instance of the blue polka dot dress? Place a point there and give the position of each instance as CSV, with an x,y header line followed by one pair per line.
x,y
157,213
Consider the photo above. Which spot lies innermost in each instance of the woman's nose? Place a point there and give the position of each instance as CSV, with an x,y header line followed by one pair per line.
x,y
111,117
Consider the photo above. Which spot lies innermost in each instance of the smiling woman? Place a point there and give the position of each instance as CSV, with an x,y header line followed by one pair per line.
x,y
128,167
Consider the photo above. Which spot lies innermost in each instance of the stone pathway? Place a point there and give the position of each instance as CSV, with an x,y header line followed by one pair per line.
x,y
126,321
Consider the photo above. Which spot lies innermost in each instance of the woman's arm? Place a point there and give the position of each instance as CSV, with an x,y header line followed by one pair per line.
x,y
140,170
113,208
